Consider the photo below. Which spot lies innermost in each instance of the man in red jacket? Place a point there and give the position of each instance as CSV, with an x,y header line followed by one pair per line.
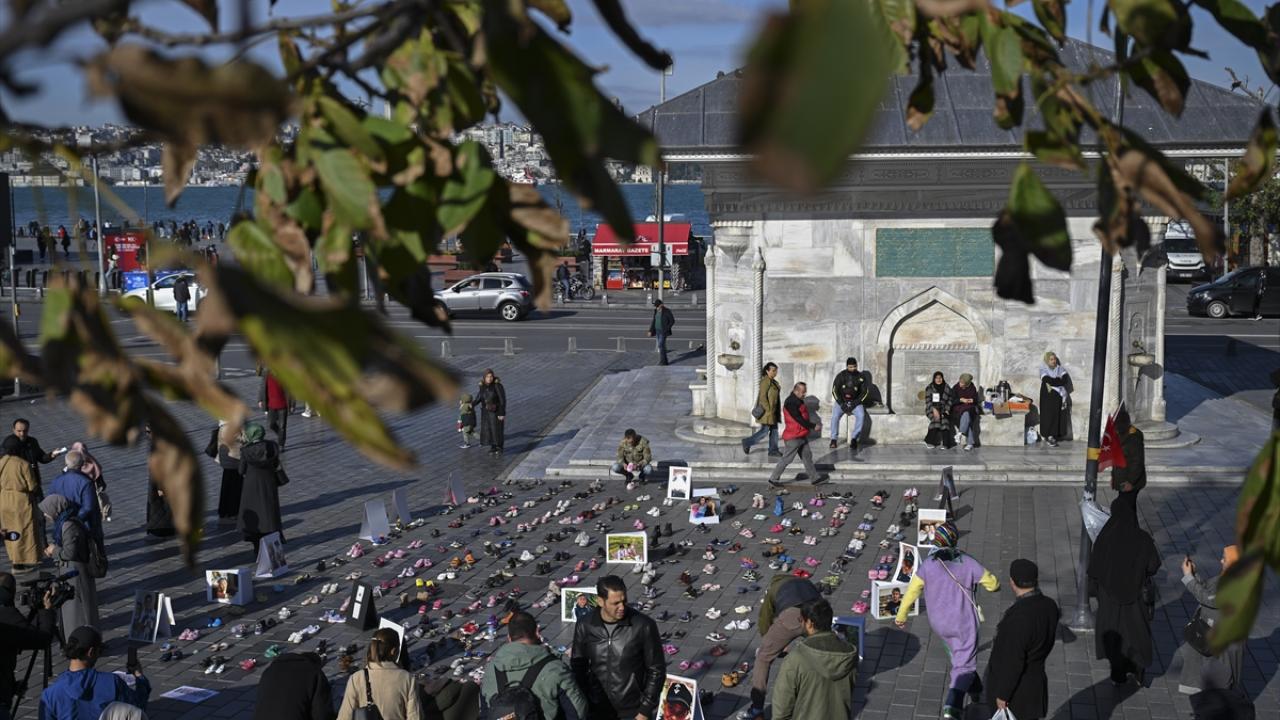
x,y
277,403
796,437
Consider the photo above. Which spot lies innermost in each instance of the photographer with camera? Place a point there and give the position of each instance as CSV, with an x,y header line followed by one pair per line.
x,y
81,693
17,634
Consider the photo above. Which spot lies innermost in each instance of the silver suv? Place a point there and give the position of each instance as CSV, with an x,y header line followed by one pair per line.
x,y
508,294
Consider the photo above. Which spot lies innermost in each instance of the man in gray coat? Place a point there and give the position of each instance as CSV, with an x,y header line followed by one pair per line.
x,y
552,684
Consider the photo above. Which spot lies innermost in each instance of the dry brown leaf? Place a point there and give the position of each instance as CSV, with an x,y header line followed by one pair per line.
x,y
1149,179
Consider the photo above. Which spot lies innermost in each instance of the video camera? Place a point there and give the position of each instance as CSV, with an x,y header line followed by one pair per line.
x,y
31,592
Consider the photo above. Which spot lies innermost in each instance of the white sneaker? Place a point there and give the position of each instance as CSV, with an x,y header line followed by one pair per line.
x,y
968,447
654,511
306,413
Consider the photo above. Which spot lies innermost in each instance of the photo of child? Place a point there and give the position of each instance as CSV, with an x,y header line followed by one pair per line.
x,y
143,623
679,482
225,586
704,508
886,600
677,700
628,548
577,603
907,557
927,521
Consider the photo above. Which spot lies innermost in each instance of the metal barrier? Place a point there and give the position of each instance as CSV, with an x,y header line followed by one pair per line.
x,y
508,347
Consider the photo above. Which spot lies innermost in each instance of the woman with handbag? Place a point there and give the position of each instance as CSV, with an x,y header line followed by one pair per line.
x,y
767,411
382,691
262,477
1123,562
937,408
948,579
1201,670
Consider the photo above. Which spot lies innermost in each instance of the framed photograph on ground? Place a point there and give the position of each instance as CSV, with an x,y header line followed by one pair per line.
x,y
705,510
630,548
271,560
577,603
679,482
886,600
925,523
908,560
229,587
679,699
152,617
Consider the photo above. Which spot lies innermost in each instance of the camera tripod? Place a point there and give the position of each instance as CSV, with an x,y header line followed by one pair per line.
x,y
20,687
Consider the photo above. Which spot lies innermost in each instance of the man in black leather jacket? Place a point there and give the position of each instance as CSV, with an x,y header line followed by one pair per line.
x,y
617,657
16,635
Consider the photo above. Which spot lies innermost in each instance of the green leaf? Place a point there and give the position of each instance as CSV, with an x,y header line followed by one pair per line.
x,y
1259,504
900,17
467,189
1013,272
388,131
1052,16
307,209
348,191
335,258
1004,52
271,182
1039,218
1248,28
487,231
1239,595
580,127
349,129
55,318
1053,150
1154,23
1164,78
256,251
813,81
1259,160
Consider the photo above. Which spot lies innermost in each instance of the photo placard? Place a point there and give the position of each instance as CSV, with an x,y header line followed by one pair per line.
x,y
886,600
271,560
228,587
152,617
704,507
399,630
374,525
679,482
363,614
926,521
679,699
577,603
908,561
630,548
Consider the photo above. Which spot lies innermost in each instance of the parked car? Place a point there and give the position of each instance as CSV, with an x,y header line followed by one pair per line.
x,y
1185,260
1249,291
162,292
508,294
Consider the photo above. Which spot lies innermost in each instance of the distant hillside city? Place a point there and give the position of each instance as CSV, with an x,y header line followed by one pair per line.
x,y
518,155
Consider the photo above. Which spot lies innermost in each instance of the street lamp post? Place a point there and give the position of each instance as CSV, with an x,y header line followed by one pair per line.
x,y
97,219
660,184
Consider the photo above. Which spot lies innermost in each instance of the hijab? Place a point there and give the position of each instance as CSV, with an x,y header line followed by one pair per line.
x,y
253,432
1054,372
90,469
945,537
13,446
1123,551
59,508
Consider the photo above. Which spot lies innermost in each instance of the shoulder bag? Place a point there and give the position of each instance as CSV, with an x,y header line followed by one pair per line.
x,y
757,412
368,711
1196,633
282,479
968,592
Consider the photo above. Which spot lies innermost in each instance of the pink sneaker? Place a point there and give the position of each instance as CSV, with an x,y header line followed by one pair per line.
x,y
356,551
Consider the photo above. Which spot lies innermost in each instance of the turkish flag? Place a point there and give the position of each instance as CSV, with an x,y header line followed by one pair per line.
x,y
1110,455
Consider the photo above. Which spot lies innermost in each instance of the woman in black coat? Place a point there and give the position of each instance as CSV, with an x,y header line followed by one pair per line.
x,y
159,515
260,496
937,408
1124,560
1055,399
491,398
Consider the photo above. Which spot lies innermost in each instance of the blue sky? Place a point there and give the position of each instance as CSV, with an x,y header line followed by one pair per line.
x,y
704,36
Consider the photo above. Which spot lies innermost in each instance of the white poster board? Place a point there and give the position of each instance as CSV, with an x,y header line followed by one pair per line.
x,y
374,525
271,559
400,504
152,617
679,482
399,629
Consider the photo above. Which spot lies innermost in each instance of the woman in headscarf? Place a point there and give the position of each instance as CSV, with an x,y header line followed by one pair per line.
x,y
965,408
92,470
1123,561
948,579
937,407
19,493
1055,399
491,398
70,548
260,498
159,514
1215,672
228,453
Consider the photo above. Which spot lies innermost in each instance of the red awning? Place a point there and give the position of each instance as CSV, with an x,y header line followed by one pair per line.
x,y
676,236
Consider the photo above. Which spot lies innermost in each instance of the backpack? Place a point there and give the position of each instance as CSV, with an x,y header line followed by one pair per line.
x,y
97,562
516,701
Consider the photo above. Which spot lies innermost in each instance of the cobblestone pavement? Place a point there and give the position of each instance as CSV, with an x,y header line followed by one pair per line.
x,y
903,673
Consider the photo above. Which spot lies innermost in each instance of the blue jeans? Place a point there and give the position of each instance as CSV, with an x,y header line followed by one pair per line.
x,y
564,290
662,348
859,416
969,427
645,471
182,311
758,435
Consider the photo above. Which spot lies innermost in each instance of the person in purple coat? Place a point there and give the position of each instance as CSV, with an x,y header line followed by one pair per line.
x,y
947,579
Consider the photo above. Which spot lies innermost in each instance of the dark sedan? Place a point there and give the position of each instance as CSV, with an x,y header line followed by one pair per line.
x,y
1248,292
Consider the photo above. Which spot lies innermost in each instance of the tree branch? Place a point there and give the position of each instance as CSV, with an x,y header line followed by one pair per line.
x,y
168,39
40,28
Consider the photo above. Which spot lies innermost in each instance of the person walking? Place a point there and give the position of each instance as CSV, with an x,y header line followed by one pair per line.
x,y
817,678
81,692
1133,476
299,689
796,437
181,297
273,398
937,408
634,457
492,399
260,497
382,683
780,622
92,469
70,549
617,657
849,392
965,409
1016,679
947,579
19,497
769,404
1120,569
660,327
227,452
1055,399
524,662
64,239
1221,672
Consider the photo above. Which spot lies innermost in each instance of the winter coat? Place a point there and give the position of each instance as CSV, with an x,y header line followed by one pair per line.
x,y
73,554
668,321
785,592
620,667
1124,560
797,414
78,488
554,683
849,390
299,689
768,397
272,395
83,694
1217,672
1024,639
638,454
260,498
1133,446
942,405
959,407
30,451
181,290
492,401
816,680
394,692
19,493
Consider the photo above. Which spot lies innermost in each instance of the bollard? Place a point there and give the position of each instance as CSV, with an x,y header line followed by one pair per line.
x,y
444,349
604,298
508,346
622,345
693,299
573,345
691,342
